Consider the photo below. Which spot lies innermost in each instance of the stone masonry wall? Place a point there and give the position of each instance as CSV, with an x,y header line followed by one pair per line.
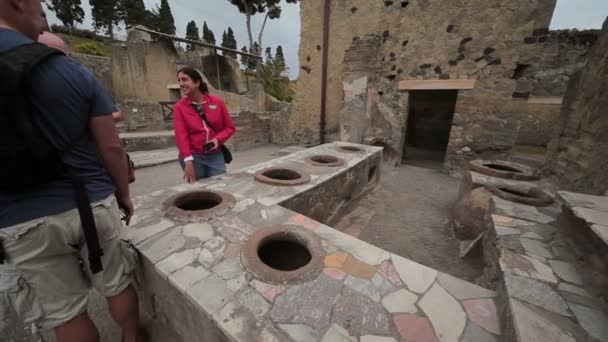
x,y
252,130
101,67
462,39
143,70
540,122
579,154
142,116
375,44
546,72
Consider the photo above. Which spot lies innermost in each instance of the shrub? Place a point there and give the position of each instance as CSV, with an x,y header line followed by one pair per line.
x,y
75,32
90,48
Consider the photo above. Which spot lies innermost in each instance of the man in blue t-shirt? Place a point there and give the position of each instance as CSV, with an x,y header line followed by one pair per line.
x,y
40,229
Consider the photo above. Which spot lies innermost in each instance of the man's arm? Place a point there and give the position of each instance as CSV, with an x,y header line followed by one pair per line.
x,y
112,153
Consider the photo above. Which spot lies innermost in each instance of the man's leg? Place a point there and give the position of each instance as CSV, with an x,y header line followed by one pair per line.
x,y
42,278
124,308
80,328
119,261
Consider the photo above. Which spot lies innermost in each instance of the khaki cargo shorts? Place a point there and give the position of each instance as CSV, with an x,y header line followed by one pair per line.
x,y
44,281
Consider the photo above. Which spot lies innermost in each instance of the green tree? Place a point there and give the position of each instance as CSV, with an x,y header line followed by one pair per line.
x,y
208,35
135,13
68,11
224,40
246,60
106,14
268,53
272,10
192,33
164,18
231,42
280,57
275,81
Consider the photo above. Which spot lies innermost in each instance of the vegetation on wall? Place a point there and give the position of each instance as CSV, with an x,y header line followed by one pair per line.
x,y
274,76
90,47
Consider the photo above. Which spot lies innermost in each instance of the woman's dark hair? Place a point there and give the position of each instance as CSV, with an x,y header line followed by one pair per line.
x,y
195,76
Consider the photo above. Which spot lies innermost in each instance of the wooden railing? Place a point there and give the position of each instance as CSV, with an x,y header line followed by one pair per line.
x,y
167,109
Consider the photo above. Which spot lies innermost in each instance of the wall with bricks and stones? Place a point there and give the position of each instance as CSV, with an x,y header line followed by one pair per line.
x,y
540,121
374,45
142,116
101,67
579,153
546,72
543,77
252,130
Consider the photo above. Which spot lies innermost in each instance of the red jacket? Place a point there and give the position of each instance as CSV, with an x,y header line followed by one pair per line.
x,y
190,132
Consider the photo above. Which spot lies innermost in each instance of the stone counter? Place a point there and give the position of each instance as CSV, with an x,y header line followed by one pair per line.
x,y
196,281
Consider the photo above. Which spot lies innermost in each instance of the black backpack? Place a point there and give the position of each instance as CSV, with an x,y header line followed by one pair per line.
x,y
28,158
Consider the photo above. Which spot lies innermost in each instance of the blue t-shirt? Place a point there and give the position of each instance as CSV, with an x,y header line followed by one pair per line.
x,y
64,96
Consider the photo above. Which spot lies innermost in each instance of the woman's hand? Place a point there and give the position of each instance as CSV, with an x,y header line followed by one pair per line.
x,y
189,172
215,142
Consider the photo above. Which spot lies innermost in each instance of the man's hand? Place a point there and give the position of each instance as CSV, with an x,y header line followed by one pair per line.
x,y
189,172
126,207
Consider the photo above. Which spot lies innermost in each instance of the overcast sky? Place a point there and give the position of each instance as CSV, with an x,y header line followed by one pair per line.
x,y
219,14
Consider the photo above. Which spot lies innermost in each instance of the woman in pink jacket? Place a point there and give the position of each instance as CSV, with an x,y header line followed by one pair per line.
x,y
202,124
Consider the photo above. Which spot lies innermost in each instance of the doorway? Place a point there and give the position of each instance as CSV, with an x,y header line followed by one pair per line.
x,y
429,123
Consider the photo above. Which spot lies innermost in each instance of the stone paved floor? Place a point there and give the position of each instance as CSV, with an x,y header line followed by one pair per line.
x,y
408,214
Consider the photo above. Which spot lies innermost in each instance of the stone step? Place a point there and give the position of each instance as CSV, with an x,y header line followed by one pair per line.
x,y
146,141
153,157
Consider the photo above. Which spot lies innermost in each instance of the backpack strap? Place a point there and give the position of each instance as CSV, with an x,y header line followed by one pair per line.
x,y
26,57
29,55
21,61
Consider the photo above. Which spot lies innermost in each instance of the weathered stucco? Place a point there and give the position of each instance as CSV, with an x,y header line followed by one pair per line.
x,y
374,45
579,153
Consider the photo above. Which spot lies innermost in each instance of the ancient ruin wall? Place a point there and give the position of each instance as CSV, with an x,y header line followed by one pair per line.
x,y
142,71
549,70
466,39
579,154
101,67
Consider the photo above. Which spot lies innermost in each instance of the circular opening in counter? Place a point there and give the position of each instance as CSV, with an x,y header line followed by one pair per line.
x,y
325,160
281,176
283,254
348,148
504,169
521,194
198,205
